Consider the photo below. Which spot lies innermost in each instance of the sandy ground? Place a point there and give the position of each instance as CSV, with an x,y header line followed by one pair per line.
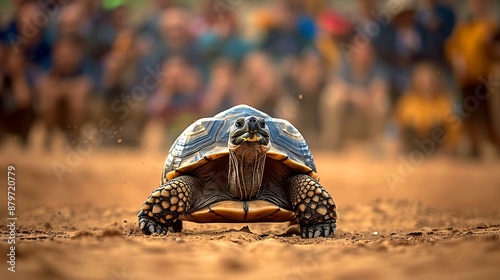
x,y
441,220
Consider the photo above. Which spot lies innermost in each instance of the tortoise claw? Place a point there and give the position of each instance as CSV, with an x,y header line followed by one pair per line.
x,y
318,230
149,226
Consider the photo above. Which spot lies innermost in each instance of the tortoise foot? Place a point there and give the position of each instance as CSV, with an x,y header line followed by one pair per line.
x,y
318,230
149,226
162,210
313,205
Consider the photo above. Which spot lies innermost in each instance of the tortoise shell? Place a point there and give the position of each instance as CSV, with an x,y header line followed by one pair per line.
x,y
207,139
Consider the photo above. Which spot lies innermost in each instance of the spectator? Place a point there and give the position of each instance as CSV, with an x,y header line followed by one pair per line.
x,y
426,111
331,39
467,49
260,84
220,39
176,41
148,31
117,80
118,65
438,20
284,39
308,81
175,101
24,35
105,29
72,19
16,94
357,97
221,89
402,45
304,12
365,21
64,90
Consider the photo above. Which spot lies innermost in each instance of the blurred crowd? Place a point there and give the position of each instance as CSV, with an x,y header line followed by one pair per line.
x,y
411,70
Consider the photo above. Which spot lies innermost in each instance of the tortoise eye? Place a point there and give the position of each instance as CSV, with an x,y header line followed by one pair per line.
x,y
239,123
262,123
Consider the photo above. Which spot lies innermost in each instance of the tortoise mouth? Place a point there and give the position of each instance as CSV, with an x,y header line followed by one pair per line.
x,y
249,130
242,136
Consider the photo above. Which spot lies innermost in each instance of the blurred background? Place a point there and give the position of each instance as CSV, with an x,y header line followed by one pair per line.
x,y
399,101
395,76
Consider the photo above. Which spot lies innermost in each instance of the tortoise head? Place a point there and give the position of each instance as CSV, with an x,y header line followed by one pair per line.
x,y
248,144
249,130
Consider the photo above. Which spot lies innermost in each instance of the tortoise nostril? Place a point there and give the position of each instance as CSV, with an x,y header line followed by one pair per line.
x,y
252,124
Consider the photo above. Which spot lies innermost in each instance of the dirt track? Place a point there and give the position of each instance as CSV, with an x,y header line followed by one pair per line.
x,y
440,222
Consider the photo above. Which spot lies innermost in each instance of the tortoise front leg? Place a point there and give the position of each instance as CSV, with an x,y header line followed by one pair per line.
x,y
160,213
313,205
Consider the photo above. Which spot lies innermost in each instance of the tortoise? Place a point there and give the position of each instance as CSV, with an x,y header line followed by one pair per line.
x,y
236,167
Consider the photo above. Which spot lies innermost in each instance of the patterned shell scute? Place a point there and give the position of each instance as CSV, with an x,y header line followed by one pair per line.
x,y
209,136
198,140
286,139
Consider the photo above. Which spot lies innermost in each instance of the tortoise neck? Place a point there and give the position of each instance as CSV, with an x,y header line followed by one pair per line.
x,y
246,169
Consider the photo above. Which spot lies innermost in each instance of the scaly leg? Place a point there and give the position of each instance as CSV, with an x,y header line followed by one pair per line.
x,y
313,205
160,213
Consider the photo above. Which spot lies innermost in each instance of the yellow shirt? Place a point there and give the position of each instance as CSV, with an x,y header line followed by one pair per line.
x,y
467,47
423,114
